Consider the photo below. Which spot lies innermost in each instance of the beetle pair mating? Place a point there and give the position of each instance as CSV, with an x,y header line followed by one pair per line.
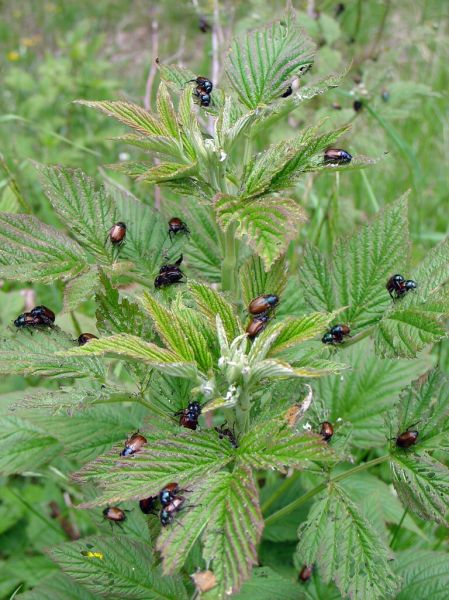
x,y
39,315
171,503
336,334
261,308
169,274
397,286
203,90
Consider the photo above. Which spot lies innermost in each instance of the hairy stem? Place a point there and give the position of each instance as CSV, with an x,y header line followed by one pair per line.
x,y
286,510
242,412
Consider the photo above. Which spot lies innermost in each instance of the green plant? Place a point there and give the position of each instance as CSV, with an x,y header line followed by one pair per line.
x,y
159,350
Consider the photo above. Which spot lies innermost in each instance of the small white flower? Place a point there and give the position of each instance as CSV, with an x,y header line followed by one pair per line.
x,y
124,156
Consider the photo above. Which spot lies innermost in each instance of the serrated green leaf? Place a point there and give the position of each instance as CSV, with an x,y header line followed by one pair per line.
x,y
307,155
166,112
33,251
296,331
129,114
80,288
203,251
426,403
269,223
346,549
260,65
363,264
119,315
168,171
233,533
254,281
211,303
126,570
58,587
169,328
316,279
404,332
157,144
37,352
175,75
87,210
363,394
131,347
202,338
422,484
274,446
183,457
174,543
433,271
425,574
24,446
192,136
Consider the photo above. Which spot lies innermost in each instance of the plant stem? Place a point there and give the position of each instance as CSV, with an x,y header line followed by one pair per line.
x,y
398,528
242,411
280,491
286,510
369,189
229,264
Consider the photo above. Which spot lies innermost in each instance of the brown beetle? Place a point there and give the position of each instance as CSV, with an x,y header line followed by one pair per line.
x,y
114,514
46,315
188,417
336,156
306,573
263,304
117,234
407,439
256,326
148,505
133,444
84,338
326,431
168,493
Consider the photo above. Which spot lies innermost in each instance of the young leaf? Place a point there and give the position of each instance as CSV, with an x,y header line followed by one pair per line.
x,y
211,303
433,271
254,281
422,484
346,549
183,457
269,223
273,446
168,171
167,113
125,569
33,251
86,210
261,65
37,352
131,347
169,328
296,331
234,531
132,115
24,446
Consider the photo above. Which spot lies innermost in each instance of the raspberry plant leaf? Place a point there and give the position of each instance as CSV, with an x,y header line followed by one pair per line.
x,y
39,353
346,548
125,569
33,251
261,65
87,211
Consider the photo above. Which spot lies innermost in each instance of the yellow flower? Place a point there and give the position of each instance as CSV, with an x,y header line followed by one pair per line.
x,y
28,42
13,55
